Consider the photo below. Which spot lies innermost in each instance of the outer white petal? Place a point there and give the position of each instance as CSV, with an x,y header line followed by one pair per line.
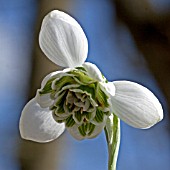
x,y
136,105
62,40
93,71
37,124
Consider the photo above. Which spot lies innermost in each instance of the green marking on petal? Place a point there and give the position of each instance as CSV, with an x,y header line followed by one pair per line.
x,y
81,130
60,100
52,107
106,81
81,78
47,88
90,89
60,121
99,115
70,121
107,113
81,69
86,129
60,110
52,95
91,128
63,81
58,118
88,115
59,105
102,97
78,116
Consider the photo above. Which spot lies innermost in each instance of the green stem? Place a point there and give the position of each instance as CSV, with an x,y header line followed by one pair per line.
x,y
112,132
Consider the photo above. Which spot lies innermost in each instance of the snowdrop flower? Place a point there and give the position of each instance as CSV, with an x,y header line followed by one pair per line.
x,y
79,98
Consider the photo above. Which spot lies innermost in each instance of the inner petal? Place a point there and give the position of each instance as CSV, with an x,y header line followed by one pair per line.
x,y
86,105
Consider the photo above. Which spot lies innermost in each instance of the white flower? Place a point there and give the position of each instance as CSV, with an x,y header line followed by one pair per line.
x,y
79,98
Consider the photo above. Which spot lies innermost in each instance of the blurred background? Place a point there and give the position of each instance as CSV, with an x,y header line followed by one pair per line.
x,y
128,40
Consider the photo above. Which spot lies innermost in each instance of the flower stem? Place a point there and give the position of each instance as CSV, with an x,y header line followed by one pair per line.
x,y
112,132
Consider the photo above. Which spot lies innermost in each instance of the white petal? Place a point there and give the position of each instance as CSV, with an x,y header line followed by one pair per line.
x,y
44,100
93,71
62,40
37,124
136,105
